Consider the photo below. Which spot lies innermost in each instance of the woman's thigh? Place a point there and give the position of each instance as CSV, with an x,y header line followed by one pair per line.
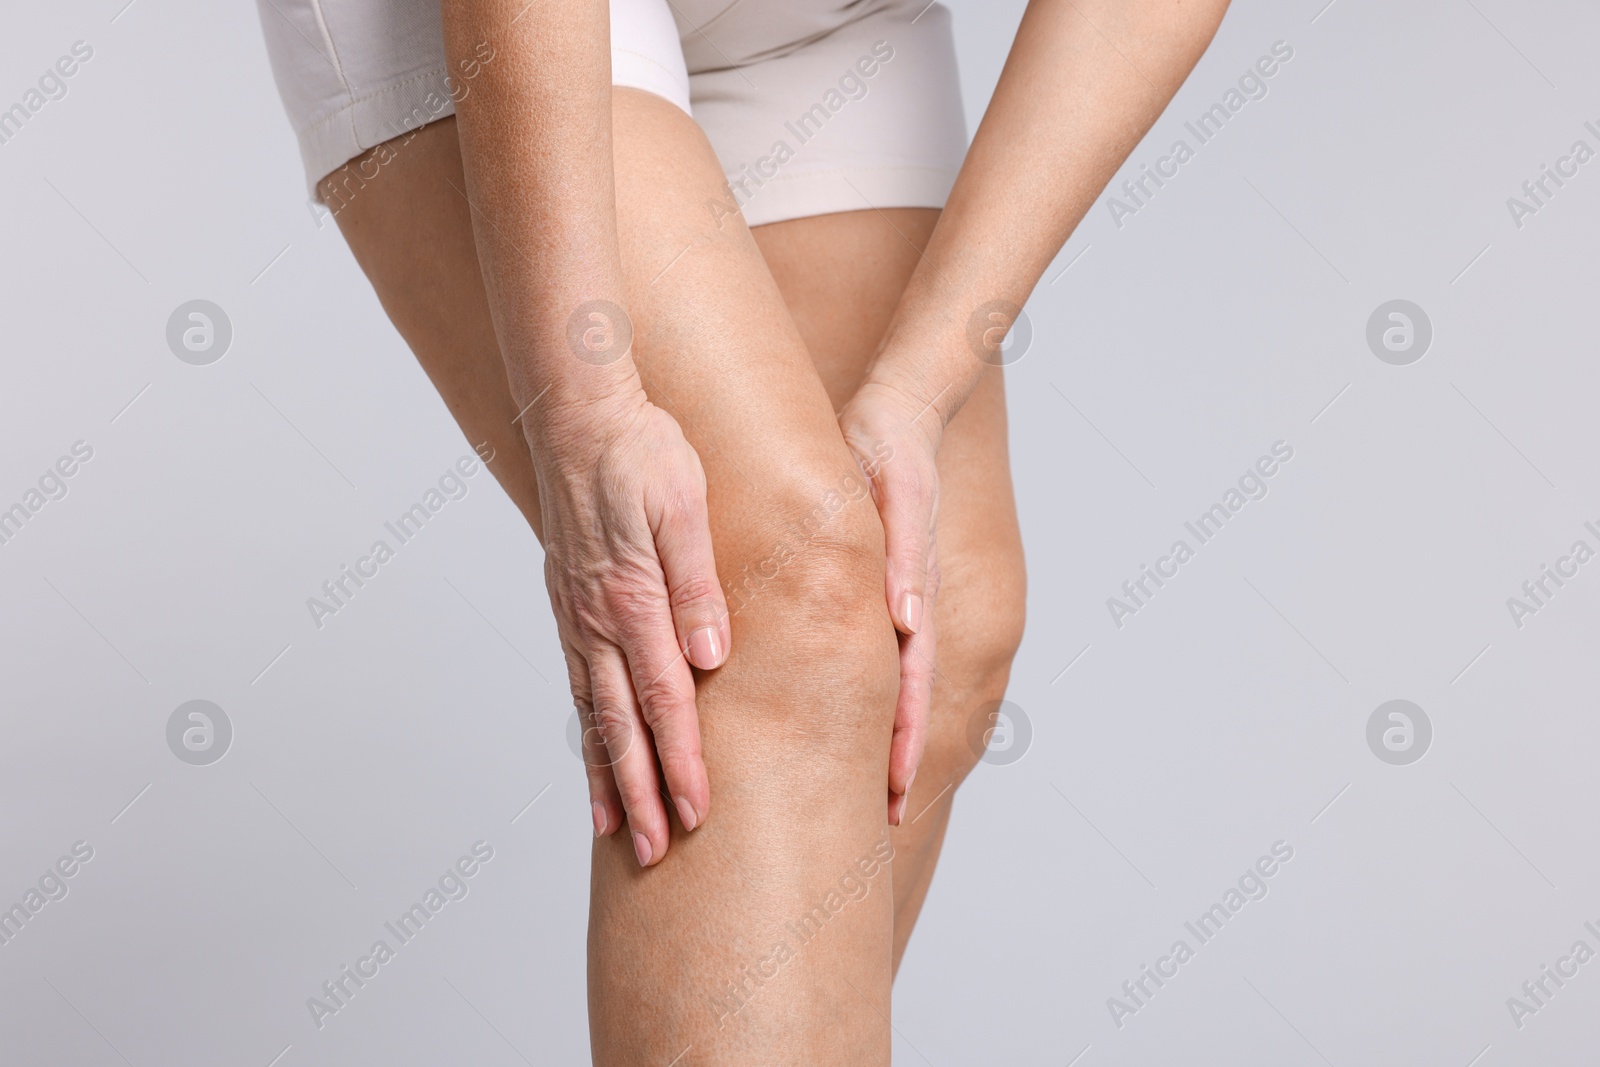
x,y
841,276
766,935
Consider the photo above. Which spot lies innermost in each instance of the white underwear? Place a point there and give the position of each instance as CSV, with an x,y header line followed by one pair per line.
x,y
813,106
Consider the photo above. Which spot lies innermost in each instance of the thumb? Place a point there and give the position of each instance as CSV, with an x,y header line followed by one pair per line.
x,y
699,611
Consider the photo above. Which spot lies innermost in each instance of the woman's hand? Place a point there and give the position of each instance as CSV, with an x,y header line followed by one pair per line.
x,y
629,568
895,440
1070,105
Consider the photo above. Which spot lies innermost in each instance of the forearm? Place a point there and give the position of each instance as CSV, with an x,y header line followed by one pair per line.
x,y
535,132
1083,83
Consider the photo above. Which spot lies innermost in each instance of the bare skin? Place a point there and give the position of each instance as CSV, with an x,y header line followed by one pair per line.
x,y
841,277
629,561
1083,83
796,725
790,364
640,602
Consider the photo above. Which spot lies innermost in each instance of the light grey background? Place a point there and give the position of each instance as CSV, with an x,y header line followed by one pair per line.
x,y
1230,713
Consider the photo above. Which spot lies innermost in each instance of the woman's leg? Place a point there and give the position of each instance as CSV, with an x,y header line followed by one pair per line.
x,y
767,934
841,276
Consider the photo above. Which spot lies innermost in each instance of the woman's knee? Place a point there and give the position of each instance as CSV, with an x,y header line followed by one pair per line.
x,y
986,605
981,611
804,580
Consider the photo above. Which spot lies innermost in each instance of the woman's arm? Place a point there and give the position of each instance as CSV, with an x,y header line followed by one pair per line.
x,y
1084,82
1085,79
621,494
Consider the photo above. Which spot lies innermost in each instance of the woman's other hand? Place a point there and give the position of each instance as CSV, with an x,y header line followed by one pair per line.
x,y
895,440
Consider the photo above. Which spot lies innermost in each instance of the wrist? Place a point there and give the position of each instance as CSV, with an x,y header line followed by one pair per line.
x,y
574,383
884,408
938,345
572,423
923,383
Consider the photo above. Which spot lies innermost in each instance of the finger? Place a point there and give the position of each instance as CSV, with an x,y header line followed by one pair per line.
x,y
913,709
906,499
664,686
633,762
911,713
699,610
605,804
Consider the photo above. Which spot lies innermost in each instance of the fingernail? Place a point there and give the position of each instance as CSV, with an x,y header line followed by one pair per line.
x,y
911,612
686,813
899,809
705,646
641,848
599,810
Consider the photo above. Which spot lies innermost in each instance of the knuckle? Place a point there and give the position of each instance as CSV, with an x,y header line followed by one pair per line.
x,y
653,688
630,592
578,681
612,726
637,792
694,589
591,740
660,705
